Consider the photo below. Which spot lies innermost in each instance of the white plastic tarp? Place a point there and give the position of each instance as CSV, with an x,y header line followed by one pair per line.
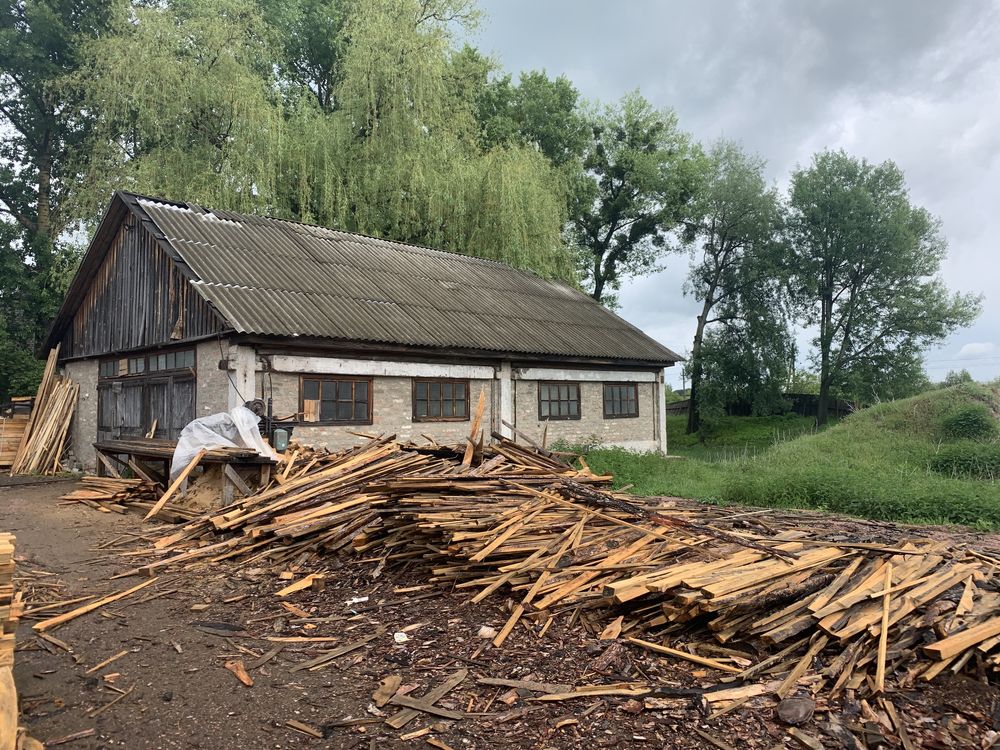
x,y
237,429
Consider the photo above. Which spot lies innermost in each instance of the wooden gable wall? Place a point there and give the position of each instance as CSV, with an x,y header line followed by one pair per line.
x,y
137,298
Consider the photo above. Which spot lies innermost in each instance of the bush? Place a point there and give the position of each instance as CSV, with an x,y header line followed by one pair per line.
x,y
968,459
972,422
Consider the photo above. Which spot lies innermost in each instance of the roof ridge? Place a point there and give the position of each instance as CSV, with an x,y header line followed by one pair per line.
x,y
203,210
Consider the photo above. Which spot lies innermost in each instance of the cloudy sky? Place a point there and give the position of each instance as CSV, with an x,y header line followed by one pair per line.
x,y
914,82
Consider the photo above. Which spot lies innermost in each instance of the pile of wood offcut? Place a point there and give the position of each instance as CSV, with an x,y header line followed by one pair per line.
x,y
771,600
44,436
118,495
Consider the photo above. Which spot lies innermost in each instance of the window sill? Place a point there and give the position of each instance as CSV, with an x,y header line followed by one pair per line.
x,y
351,423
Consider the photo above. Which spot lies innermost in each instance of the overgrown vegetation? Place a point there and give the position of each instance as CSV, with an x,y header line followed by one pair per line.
x,y
896,461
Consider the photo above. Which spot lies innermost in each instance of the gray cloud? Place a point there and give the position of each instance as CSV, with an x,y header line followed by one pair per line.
x,y
912,82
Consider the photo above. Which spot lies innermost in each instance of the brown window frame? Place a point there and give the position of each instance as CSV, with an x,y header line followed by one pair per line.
x,y
335,379
604,400
441,381
142,368
558,384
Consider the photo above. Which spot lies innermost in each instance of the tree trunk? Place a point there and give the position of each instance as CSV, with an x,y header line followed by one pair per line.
x,y
43,220
823,405
598,278
694,416
825,341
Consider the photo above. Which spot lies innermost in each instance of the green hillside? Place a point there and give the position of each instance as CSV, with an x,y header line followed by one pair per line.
x,y
933,458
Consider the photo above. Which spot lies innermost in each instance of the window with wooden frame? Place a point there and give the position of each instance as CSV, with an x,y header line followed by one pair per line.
x,y
336,400
440,400
558,401
144,364
621,400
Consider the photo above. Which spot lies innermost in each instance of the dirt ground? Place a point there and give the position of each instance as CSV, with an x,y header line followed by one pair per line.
x,y
173,690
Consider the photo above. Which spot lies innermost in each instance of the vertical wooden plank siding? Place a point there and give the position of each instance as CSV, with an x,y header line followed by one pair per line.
x,y
137,298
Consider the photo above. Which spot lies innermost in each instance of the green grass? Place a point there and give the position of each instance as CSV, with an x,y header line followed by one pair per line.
x,y
878,463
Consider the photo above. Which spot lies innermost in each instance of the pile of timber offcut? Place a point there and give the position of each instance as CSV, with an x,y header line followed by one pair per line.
x,y
11,604
44,437
321,502
781,601
108,494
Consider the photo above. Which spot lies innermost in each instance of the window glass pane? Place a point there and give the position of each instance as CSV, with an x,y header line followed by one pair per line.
x,y
543,408
564,392
326,410
461,408
360,411
344,411
435,391
447,389
361,390
434,408
310,390
421,408
421,389
574,408
344,390
460,391
447,409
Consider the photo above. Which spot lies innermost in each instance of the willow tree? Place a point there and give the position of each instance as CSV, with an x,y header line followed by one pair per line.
x,y
209,102
414,169
186,106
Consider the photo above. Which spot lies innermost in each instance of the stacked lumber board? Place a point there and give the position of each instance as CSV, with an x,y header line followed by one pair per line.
x,y
118,495
45,433
10,611
11,434
785,601
11,604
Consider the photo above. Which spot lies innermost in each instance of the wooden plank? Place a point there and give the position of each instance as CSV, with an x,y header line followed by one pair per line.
x,y
704,661
883,638
108,464
53,622
185,472
237,480
946,648
407,715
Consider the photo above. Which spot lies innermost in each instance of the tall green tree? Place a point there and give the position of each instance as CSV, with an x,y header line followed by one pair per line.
x,y
365,130
733,235
187,107
539,111
40,128
310,44
866,263
640,175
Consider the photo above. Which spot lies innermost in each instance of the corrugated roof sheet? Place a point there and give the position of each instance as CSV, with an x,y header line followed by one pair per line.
x,y
274,277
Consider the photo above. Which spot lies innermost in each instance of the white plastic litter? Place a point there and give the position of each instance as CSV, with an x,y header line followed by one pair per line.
x,y
237,429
